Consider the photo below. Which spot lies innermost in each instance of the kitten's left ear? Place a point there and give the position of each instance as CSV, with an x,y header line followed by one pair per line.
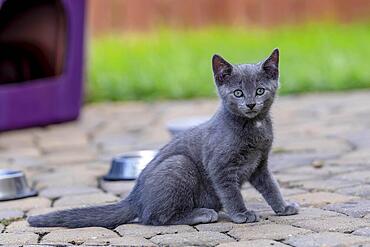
x,y
271,65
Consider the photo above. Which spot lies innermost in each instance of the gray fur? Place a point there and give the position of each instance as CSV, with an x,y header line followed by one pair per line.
x,y
200,171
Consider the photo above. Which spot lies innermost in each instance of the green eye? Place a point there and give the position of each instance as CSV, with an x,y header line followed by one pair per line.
x,y
260,91
238,93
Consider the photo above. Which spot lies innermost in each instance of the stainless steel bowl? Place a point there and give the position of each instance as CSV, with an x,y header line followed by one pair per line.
x,y
13,185
177,126
129,165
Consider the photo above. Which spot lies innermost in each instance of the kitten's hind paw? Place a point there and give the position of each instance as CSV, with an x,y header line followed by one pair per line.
x,y
245,217
290,209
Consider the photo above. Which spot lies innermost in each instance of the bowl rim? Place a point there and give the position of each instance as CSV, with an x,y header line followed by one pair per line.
x,y
136,154
10,173
125,156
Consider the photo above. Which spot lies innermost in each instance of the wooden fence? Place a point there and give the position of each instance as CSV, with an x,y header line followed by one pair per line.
x,y
126,15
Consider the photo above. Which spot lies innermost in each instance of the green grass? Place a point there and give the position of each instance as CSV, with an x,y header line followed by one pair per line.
x,y
177,64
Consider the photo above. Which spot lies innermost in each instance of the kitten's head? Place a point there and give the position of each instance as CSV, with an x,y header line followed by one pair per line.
x,y
247,90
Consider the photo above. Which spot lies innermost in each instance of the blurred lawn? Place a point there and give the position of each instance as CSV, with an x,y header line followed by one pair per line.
x,y
177,65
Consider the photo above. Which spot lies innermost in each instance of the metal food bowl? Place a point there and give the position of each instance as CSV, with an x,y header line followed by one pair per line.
x,y
13,185
128,166
177,126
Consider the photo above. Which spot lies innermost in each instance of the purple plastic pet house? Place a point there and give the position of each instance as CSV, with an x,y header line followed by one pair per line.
x,y
41,61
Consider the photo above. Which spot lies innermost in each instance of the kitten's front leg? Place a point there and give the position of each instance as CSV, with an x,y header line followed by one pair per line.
x,y
265,183
226,184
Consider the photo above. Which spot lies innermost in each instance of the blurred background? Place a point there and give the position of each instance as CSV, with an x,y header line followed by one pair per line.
x,y
160,49
57,54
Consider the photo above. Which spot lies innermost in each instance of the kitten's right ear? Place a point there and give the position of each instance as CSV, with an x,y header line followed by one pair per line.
x,y
221,68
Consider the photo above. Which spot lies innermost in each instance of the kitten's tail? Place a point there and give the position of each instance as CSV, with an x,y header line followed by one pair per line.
x,y
109,216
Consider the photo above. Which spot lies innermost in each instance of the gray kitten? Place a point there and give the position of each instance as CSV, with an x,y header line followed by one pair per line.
x,y
200,171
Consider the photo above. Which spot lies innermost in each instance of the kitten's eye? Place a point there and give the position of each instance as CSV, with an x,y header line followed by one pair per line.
x,y
238,93
260,91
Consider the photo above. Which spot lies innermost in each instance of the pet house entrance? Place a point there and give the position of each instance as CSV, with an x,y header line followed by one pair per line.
x,y
32,40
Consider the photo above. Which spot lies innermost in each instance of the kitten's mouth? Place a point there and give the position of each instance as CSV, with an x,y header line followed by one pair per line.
x,y
251,114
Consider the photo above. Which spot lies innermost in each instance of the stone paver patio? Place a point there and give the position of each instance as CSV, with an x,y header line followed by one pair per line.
x,y
321,158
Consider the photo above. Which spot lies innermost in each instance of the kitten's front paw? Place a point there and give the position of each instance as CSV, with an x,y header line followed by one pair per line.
x,y
245,217
290,209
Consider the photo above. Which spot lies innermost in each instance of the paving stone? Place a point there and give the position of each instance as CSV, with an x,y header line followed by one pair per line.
x,y
283,178
77,236
216,227
67,158
84,200
47,245
254,243
327,239
22,226
320,198
362,232
360,176
17,139
254,200
332,224
122,188
65,178
150,231
57,192
361,245
362,190
304,214
355,163
292,191
327,170
203,238
356,209
267,231
360,138
9,239
25,204
23,163
283,161
66,130
131,241
358,154
92,170
54,143
317,144
325,184
9,214
30,152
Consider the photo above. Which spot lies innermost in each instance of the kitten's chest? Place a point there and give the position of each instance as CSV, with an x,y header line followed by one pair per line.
x,y
254,144
248,161
256,136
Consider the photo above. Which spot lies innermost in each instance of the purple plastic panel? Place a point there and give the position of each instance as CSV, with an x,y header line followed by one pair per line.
x,y
49,100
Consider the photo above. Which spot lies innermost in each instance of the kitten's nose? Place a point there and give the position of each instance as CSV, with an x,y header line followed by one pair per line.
x,y
251,106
